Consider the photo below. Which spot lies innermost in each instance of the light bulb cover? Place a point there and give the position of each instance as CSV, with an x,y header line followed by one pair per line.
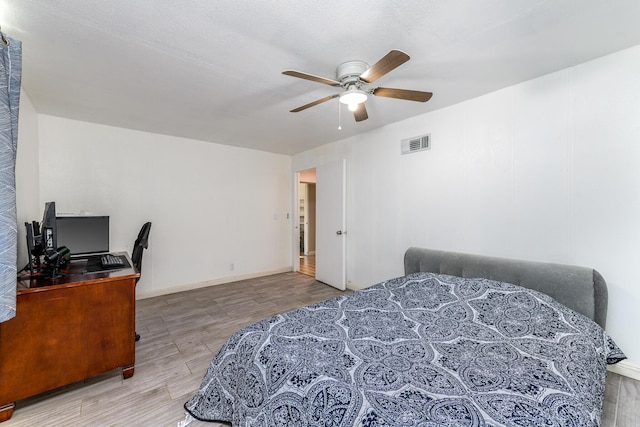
x,y
353,96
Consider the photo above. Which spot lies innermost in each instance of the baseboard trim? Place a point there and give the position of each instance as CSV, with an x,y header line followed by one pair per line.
x,y
219,281
355,286
626,368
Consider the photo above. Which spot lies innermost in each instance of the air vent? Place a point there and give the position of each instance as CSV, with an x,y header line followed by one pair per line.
x,y
415,144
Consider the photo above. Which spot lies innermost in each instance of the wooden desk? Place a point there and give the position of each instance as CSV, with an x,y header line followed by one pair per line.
x,y
67,330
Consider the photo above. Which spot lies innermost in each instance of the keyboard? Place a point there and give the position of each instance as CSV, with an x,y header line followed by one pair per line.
x,y
109,260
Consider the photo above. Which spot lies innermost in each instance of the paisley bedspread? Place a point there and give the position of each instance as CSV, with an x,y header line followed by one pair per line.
x,y
420,350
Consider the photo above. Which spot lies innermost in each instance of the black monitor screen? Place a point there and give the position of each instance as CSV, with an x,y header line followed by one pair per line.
x,y
82,234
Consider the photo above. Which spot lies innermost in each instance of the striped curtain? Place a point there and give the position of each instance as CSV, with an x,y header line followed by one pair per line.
x,y
10,77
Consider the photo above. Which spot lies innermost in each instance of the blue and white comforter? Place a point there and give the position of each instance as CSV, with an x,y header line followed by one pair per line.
x,y
420,350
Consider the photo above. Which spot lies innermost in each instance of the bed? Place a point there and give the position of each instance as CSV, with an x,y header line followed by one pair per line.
x,y
460,340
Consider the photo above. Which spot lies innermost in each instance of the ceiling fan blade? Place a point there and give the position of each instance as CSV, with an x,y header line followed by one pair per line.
x,y
391,60
311,77
409,95
314,103
361,113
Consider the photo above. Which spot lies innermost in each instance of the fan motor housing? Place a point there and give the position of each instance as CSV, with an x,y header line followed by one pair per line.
x,y
349,72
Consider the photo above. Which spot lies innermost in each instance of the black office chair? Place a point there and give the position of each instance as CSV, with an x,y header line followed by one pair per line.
x,y
142,243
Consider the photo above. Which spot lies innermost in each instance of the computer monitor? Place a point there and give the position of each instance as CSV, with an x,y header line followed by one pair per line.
x,y
83,234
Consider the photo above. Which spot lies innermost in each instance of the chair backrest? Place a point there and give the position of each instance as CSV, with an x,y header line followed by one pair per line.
x,y
142,243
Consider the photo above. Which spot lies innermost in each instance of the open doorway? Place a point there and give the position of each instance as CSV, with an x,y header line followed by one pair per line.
x,y
307,218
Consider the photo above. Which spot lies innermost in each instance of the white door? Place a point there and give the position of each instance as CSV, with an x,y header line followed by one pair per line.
x,y
330,224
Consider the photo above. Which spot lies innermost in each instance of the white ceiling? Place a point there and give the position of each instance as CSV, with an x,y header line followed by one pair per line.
x,y
211,69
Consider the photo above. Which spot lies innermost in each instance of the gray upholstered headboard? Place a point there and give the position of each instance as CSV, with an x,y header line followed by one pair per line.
x,y
579,288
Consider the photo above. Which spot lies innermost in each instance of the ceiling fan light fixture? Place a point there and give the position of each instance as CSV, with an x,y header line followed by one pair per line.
x,y
352,97
355,78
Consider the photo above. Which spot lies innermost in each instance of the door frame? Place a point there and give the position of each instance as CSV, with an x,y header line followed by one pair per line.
x,y
295,238
295,221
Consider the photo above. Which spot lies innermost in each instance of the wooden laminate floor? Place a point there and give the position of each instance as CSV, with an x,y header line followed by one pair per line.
x,y
180,335
308,265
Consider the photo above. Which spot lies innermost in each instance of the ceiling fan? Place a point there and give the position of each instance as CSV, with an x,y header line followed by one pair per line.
x,y
355,78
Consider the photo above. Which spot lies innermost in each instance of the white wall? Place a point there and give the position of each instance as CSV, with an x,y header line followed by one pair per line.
x,y
218,212
545,170
27,174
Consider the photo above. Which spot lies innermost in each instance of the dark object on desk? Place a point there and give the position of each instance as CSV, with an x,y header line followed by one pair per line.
x,y
94,264
111,261
55,260
46,259
141,243
83,234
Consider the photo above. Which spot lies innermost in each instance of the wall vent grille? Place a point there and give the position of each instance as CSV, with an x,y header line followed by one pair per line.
x,y
415,144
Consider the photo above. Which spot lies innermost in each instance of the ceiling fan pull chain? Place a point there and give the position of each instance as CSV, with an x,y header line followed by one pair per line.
x,y
339,115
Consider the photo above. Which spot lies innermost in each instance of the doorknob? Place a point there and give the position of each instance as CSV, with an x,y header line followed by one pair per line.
x,y
340,232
